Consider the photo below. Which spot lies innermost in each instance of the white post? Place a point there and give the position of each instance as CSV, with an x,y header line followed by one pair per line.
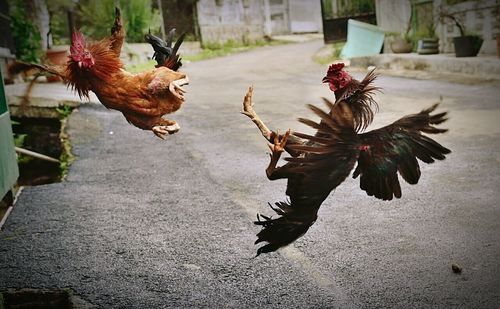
x,y
267,18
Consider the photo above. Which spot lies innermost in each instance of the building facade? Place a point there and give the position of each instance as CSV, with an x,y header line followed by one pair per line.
x,y
480,17
250,20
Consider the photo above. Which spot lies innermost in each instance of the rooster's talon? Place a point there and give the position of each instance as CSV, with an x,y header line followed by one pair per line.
x,y
163,131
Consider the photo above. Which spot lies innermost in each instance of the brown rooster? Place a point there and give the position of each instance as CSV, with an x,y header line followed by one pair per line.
x,y
143,98
321,162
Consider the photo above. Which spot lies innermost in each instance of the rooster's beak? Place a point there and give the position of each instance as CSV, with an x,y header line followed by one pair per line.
x,y
325,79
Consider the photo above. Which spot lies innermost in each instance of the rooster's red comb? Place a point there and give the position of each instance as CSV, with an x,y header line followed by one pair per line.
x,y
336,67
77,42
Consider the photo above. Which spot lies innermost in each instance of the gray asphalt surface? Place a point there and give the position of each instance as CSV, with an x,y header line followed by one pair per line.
x,y
145,223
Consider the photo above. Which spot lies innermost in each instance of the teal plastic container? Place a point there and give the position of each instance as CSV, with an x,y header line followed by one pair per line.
x,y
362,40
8,161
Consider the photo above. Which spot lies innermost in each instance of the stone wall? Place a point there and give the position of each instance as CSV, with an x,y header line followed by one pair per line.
x,y
479,17
237,20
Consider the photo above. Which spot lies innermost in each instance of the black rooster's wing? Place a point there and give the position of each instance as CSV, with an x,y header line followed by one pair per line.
x,y
396,148
332,154
164,54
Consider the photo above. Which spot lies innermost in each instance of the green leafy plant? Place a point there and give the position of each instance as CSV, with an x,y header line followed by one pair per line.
x,y
138,17
27,39
355,7
59,27
330,55
19,141
64,111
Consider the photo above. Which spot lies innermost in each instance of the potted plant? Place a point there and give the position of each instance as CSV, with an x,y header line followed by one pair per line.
x,y
428,44
465,45
402,42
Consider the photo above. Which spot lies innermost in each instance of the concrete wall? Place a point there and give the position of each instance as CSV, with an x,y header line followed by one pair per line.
x,y
479,17
237,20
392,16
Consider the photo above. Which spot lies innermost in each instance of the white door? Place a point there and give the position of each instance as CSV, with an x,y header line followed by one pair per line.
x,y
305,16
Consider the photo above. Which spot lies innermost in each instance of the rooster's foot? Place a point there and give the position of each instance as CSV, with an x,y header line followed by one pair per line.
x,y
278,145
163,131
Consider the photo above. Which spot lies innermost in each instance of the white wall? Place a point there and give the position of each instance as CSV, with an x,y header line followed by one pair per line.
x,y
392,16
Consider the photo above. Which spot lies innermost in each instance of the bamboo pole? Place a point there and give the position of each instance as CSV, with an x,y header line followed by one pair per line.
x,y
36,155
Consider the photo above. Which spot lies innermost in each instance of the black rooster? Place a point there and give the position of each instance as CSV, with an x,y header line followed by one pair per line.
x,y
164,53
321,162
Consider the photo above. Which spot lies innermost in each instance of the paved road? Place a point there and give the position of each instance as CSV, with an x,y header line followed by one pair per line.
x,y
142,223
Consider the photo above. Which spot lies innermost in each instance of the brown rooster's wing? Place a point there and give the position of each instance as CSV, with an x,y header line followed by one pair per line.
x,y
117,34
396,148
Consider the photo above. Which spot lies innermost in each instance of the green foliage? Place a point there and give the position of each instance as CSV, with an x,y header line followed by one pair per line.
x,y
141,67
327,8
64,111
66,157
355,7
27,39
58,10
210,50
94,14
216,49
332,54
138,17
19,140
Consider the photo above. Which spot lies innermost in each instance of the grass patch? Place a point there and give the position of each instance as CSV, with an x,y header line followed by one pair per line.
x,y
211,50
141,67
214,49
329,54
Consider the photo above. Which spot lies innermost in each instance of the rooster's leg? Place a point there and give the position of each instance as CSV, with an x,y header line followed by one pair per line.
x,y
165,127
161,127
117,34
277,148
250,113
268,134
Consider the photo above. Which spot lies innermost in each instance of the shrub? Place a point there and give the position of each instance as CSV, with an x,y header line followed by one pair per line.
x,y
138,16
27,39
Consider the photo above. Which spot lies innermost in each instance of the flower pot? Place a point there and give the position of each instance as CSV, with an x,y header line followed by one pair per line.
x,y
400,45
467,45
428,46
